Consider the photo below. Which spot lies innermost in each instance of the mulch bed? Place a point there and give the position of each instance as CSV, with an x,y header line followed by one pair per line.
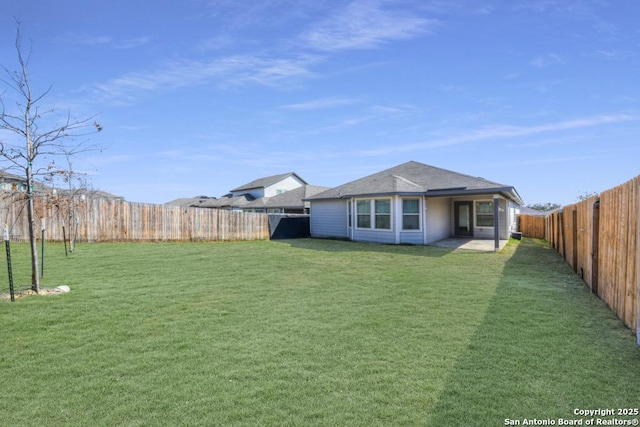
x,y
29,292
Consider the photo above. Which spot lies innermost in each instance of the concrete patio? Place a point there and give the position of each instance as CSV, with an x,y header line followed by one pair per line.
x,y
484,245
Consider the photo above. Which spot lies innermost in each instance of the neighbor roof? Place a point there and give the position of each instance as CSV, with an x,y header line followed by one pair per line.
x,y
418,179
267,181
292,199
227,202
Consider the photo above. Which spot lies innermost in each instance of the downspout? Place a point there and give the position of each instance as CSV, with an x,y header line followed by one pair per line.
x,y
354,218
496,223
424,220
397,211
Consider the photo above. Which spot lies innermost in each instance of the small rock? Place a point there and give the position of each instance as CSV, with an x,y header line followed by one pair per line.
x,y
63,288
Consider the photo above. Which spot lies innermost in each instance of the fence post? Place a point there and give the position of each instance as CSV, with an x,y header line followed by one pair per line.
x,y
637,189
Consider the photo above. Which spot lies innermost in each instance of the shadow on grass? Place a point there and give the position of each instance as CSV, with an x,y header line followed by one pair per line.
x,y
545,347
336,245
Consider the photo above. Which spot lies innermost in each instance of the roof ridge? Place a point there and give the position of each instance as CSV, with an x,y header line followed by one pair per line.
x,y
406,180
452,171
267,180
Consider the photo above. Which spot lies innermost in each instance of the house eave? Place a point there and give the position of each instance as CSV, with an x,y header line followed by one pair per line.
x,y
507,192
362,195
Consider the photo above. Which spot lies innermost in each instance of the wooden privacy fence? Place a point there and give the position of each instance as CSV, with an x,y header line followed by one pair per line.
x,y
532,226
111,220
599,238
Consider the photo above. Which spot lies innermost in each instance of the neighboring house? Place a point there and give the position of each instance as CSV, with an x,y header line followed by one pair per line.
x,y
415,203
18,184
227,202
533,212
270,186
289,202
12,183
243,197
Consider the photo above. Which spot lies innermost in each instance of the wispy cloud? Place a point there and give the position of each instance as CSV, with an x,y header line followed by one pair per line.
x,y
199,156
547,60
361,24
614,54
581,10
595,154
235,15
232,70
321,104
103,40
132,43
507,131
365,24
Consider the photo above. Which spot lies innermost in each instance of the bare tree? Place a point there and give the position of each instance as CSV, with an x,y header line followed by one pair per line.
x,y
544,207
73,187
24,144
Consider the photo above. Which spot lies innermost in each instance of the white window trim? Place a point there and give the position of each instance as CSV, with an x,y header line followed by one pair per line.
x,y
475,214
419,214
372,214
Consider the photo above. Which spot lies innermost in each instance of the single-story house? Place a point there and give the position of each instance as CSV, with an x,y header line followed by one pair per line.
x,y
415,203
289,202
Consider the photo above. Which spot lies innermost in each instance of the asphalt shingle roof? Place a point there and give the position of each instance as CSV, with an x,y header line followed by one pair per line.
x,y
289,199
417,178
266,181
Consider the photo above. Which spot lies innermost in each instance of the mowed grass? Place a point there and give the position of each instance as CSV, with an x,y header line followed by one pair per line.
x,y
308,332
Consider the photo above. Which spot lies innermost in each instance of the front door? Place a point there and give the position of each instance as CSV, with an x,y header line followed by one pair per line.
x,y
463,218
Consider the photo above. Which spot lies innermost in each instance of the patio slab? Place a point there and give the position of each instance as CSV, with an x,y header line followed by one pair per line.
x,y
485,245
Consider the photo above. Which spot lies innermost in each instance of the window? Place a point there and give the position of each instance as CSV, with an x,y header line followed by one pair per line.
x,y
349,209
484,214
410,214
363,212
383,214
373,213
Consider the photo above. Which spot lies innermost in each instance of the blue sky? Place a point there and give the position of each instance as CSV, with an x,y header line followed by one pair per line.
x,y
197,97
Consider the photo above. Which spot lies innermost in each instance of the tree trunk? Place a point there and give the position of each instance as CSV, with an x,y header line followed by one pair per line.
x,y
35,279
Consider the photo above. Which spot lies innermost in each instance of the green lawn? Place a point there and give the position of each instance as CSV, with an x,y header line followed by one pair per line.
x,y
308,332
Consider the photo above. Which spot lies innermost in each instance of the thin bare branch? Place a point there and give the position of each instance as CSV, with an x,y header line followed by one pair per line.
x,y
38,146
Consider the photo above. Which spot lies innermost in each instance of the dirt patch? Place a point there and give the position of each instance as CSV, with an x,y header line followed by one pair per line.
x,y
43,292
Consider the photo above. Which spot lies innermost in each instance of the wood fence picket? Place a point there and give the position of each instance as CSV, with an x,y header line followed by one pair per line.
x,y
599,238
112,220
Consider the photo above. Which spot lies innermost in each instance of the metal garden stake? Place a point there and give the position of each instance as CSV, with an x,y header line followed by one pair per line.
x,y
64,239
42,250
9,270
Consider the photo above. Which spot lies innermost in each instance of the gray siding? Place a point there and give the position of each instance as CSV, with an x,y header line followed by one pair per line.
x,y
505,219
411,238
329,218
362,235
439,219
513,214
483,232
